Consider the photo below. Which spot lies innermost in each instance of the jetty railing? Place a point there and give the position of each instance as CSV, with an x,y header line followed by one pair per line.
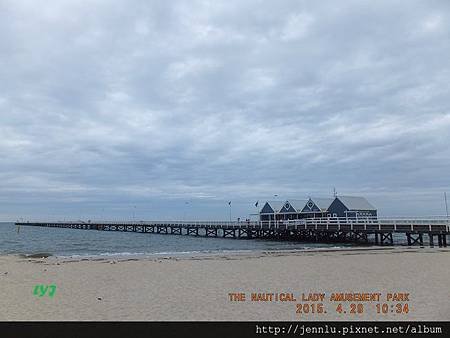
x,y
367,223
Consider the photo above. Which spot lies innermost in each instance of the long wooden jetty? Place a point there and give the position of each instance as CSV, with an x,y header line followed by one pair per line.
x,y
378,231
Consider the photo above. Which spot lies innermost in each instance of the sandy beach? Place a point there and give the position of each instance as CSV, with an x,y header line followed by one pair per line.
x,y
198,288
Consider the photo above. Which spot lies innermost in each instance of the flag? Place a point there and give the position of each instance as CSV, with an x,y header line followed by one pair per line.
x,y
229,203
256,204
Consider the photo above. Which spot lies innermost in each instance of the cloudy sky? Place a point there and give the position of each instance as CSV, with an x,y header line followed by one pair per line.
x,y
170,109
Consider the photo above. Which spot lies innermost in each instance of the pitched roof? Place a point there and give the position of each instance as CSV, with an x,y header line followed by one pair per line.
x,y
288,209
275,205
322,203
356,203
297,204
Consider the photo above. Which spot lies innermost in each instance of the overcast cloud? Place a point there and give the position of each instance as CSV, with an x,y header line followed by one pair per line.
x,y
169,109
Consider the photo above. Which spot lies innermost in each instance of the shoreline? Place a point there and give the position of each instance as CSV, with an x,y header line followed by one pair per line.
x,y
209,254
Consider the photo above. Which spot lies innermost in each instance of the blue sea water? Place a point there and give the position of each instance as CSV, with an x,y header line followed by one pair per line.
x,y
72,242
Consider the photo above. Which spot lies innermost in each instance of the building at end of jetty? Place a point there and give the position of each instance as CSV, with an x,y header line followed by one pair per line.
x,y
339,206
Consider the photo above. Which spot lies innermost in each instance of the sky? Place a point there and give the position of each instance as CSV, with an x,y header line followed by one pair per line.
x,y
170,109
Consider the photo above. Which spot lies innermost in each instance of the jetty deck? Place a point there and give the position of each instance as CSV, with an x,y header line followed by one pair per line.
x,y
378,231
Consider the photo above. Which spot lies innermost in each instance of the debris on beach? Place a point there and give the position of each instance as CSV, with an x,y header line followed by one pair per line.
x,y
38,255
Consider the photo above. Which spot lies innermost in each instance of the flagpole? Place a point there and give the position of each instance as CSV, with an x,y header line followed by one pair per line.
x,y
230,210
446,206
